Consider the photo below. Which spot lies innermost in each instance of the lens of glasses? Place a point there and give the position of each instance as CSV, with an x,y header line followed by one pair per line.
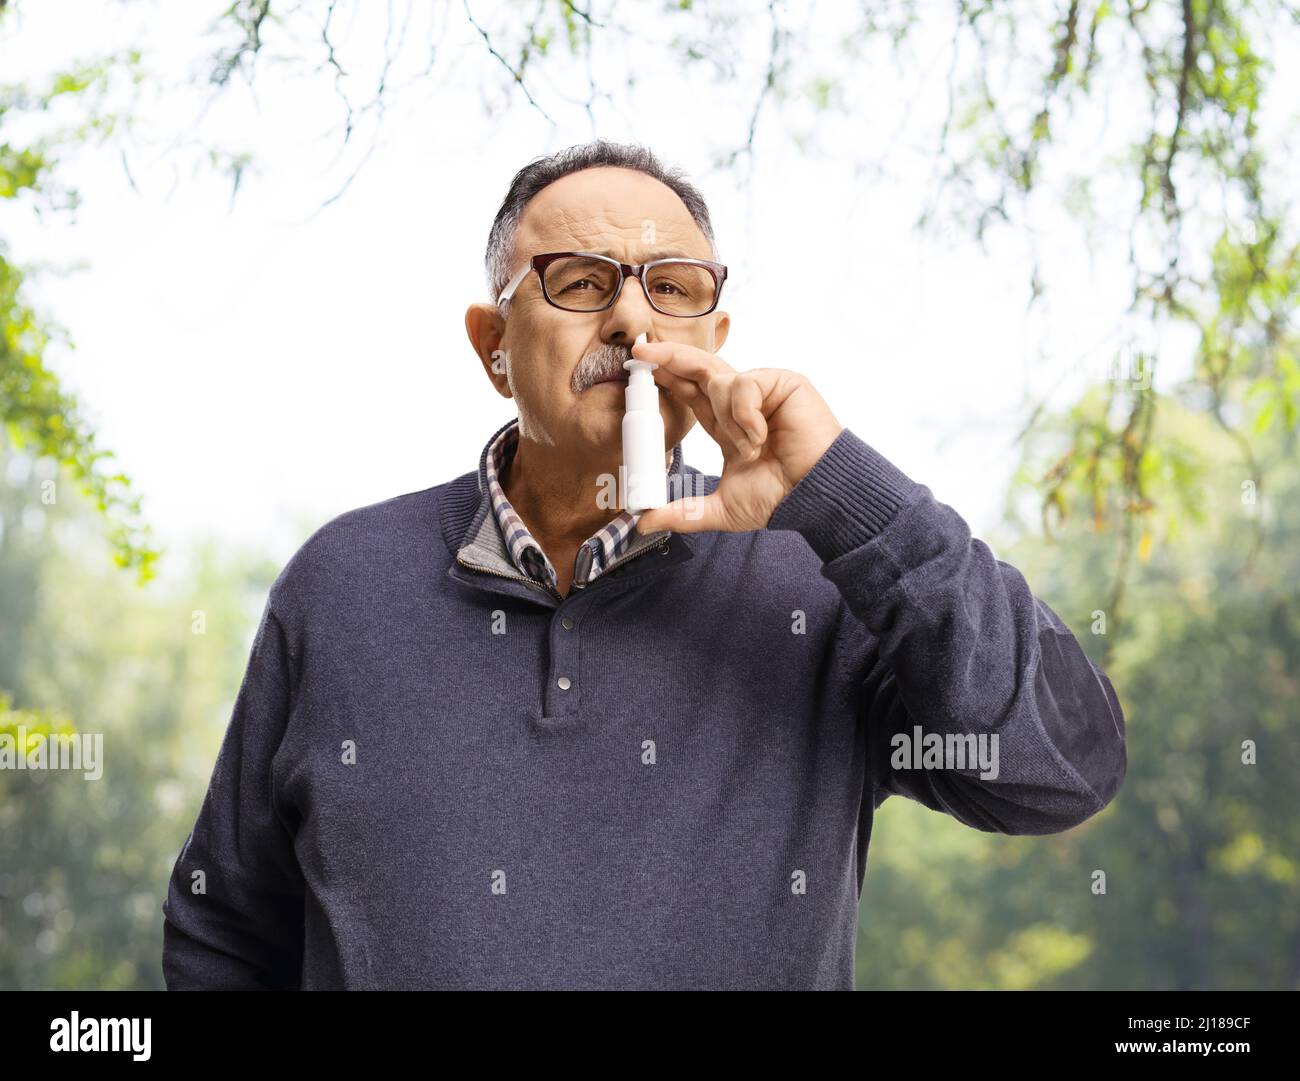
x,y
582,284
680,288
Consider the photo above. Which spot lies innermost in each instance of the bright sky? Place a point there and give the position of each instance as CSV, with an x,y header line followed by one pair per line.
x,y
262,369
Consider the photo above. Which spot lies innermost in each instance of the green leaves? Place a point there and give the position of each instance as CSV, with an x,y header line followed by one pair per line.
x,y
1279,394
19,169
27,727
36,414
39,416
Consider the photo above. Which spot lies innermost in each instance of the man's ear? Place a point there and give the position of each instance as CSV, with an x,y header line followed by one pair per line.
x,y
486,329
721,325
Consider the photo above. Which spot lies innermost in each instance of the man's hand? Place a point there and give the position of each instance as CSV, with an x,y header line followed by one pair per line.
x,y
771,424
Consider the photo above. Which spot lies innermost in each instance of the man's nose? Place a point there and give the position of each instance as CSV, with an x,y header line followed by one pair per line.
x,y
631,315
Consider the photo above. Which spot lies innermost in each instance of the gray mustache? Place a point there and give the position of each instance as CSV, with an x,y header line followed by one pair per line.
x,y
606,361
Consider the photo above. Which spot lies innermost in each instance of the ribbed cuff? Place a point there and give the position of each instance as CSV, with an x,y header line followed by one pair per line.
x,y
846,498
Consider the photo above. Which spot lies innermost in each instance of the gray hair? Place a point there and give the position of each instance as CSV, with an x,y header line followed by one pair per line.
x,y
540,172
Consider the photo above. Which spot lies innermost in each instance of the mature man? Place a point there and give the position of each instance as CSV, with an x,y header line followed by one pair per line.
x,y
498,734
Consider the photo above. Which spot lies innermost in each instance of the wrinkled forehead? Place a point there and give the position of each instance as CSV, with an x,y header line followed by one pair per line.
x,y
614,211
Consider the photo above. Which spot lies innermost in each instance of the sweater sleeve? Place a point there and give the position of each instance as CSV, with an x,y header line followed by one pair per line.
x,y
958,646
233,914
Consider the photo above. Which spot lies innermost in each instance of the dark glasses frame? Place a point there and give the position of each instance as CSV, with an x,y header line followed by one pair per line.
x,y
539,263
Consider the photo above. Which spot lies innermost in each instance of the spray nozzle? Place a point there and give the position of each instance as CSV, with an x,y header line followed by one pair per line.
x,y
641,391
639,370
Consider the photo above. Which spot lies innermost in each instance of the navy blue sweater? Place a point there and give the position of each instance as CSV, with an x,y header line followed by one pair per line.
x,y
438,774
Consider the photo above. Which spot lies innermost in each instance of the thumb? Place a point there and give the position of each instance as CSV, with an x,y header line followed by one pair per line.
x,y
690,514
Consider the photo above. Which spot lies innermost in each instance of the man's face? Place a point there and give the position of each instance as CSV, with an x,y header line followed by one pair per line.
x,y
549,360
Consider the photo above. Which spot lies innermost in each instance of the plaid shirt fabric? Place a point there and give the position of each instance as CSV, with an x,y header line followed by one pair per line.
x,y
596,553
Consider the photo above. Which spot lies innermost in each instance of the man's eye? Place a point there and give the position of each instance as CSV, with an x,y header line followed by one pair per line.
x,y
575,285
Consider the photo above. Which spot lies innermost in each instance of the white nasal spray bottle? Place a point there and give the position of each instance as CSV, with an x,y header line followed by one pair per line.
x,y
644,476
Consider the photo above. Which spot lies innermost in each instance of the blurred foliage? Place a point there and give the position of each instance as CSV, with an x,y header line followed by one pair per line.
x,y
84,862
35,411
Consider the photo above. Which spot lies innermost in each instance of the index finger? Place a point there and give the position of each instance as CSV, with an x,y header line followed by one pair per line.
x,y
687,361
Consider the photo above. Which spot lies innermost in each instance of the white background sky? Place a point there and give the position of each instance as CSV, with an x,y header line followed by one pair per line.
x,y
260,369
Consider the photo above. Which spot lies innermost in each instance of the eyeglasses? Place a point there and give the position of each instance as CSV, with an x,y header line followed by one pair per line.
x,y
579,281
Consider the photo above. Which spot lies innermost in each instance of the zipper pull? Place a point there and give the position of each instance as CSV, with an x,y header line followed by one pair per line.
x,y
582,566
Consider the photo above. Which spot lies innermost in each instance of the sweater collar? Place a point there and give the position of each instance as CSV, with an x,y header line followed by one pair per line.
x,y
471,531
596,553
